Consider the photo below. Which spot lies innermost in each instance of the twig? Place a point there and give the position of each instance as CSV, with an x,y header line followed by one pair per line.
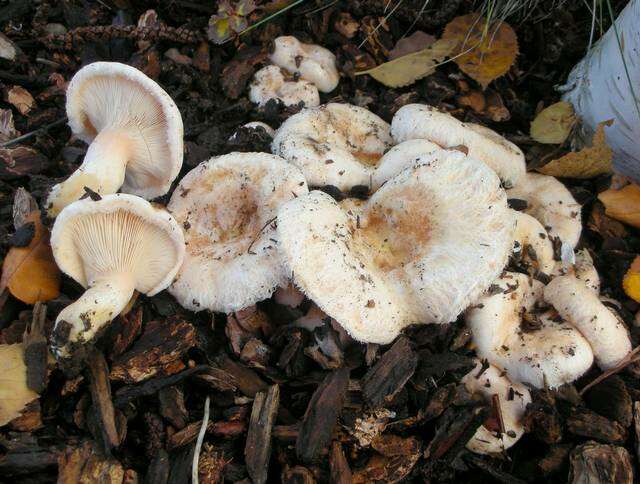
x,y
30,134
269,222
629,359
196,452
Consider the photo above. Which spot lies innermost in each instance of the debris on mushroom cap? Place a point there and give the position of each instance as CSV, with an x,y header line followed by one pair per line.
x,y
269,83
399,158
531,344
227,207
334,144
134,131
418,251
585,270
513,399
112,246
549,201
420,121
580,306
533,244
256,126
311,62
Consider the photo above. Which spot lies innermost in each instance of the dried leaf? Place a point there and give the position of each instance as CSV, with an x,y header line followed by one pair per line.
x,y
588,162
409,68
631,281
7,129
7,48
623,204
20,98
14,392
414,43
219,29
553,124
30,273
487,51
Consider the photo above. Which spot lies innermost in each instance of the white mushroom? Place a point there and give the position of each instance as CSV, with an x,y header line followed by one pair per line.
x,y
311,62
513,332
269,83
579,305
513,399
113,246
400,157
227,207
420,121
134,131
585,270
336,144
418,251
552,204
529,236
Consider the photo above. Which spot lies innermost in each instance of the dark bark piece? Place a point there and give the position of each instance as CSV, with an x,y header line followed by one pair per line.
x,y
159,468
86,464
28,460
287,433
30,419
35,349
397,458
611,399
437,364
217,379
487,466
542,417
158,351
98,375
247,380
636,427
389,375
298,475
21,161
172,406
181,466
321,415
257,450
226,429
556,459
122,332
586,423
441,400
593,463
340,471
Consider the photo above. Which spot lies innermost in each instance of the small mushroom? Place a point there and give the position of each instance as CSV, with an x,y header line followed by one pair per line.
x,y
270,83
401,157
549,201
134,131
580,306
512,400
585,270
227,207
531,343
533,243
418,251
311,62
420,121
113,247
335,144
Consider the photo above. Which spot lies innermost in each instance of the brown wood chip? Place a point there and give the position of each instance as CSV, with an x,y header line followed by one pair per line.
x,y
257,450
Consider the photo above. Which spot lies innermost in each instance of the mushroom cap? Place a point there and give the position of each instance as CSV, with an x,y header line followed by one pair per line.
x,y
552,204
110,95
420,121
420,250
400,157
118,234
269,83
531,235
586,271
513,399
580,306
551,355
334,144
312,62
227,207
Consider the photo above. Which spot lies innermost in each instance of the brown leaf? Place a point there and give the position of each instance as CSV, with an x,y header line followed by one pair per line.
x,y
623,204
414,43
14,392
30,273
486,52
20,98
587,163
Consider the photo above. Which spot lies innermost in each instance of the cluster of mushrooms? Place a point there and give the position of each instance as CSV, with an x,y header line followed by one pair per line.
x,y
430,244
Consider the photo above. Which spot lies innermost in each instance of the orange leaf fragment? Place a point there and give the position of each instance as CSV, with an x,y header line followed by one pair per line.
x,y
623,204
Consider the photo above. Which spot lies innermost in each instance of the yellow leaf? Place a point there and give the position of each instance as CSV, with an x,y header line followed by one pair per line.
x,y
486,52
623,204
588,162
409,68
14,392
554,123
30,273
631,281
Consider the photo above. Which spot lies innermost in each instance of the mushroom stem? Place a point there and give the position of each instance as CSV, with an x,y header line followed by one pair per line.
x,y
81,321
102,170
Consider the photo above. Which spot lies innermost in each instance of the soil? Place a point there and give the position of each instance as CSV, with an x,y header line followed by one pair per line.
x,y
288,404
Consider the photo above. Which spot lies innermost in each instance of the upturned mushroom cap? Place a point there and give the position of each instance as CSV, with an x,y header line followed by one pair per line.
x,y
552,204
513,399
420,121
580,306
269,83
400,157
335,144
513,332
227,207
113,246
134,130
532,243
311,62
418,251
